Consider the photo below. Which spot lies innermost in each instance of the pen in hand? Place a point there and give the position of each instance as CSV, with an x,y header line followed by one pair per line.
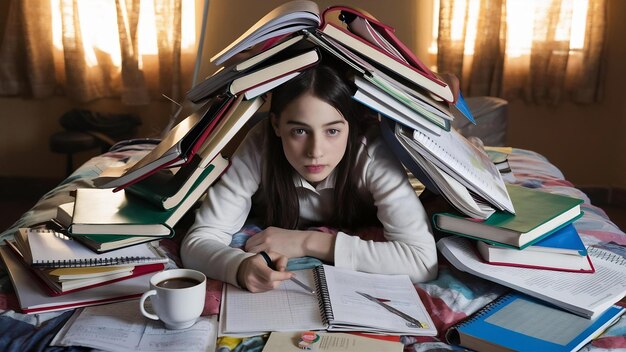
x,y
270,263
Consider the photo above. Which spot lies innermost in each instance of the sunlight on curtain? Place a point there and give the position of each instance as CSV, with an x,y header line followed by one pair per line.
x,y
90,49
543,50
98,24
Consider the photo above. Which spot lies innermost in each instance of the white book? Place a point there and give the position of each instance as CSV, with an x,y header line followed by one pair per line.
x,y
585,294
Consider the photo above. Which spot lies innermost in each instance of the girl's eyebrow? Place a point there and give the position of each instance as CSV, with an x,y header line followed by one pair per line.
x,y
293,122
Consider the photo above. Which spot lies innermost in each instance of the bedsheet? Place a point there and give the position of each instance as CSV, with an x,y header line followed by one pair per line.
x,y
449,298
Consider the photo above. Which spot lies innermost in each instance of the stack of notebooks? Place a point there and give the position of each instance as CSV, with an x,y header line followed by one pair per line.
x,y
50,271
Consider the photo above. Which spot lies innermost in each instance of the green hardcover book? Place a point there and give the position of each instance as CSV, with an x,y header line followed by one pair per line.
x,y
537,215
104,216
167,189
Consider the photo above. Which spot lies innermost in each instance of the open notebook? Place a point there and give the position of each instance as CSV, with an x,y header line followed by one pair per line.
x,y
336,305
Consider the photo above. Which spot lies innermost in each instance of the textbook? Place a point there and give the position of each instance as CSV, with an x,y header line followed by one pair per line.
x,y
285,19
106,242
376,99
179,146
538,215
166,188
101,211
286,49
587,295
275,71
516,322
51,249
34,299
563,250
337,305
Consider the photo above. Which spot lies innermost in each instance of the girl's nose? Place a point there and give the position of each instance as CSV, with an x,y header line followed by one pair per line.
x,y
314,148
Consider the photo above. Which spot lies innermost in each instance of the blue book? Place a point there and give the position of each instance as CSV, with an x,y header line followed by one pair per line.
x,y
521,323
566,240
562,250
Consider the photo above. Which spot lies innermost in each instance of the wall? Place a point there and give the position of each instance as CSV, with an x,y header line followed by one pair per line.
x,y
587,143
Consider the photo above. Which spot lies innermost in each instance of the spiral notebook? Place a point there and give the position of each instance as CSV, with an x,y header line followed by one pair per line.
x,y
48,248
518,322
336,305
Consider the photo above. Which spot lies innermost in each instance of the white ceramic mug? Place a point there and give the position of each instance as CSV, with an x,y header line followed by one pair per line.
x,y
177,297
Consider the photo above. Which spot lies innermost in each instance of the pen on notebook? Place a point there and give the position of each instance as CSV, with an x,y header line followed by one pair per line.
x,y
382,303
270,263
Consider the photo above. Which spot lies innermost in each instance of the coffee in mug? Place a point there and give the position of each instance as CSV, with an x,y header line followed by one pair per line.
x,y
177,297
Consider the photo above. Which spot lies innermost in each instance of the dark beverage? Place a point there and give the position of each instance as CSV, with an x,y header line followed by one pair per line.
x,y
178,282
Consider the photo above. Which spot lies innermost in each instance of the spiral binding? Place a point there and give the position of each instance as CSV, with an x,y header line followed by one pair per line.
x,y
324,304
81,263
606,255
452,334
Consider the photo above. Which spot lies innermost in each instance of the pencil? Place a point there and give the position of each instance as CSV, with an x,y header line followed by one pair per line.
x,y
270,263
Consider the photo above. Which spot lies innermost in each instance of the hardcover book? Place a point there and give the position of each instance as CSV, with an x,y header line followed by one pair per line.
x,y
538,214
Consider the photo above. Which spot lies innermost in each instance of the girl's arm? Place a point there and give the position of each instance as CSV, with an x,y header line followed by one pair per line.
x,y
223,213
410,246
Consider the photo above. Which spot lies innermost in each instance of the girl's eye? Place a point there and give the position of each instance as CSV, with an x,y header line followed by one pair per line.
x,y
333,132
298,131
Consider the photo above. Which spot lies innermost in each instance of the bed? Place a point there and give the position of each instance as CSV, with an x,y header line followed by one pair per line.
x,y
449,298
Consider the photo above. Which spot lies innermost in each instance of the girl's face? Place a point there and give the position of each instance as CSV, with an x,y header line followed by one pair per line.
x,y
314,136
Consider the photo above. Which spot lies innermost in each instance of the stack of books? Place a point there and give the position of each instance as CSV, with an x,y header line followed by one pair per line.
x,y
539,235
146,200
415,104
50,271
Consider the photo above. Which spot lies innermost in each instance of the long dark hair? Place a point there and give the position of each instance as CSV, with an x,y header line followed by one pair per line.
x,y
324,82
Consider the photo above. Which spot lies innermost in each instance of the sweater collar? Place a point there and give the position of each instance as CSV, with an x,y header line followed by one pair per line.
x,y
328,182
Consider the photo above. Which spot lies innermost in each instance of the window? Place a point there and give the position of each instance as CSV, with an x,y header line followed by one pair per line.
x,y
544,51
98,26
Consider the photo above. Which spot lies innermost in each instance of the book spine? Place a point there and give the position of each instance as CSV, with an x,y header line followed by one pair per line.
x,y
323,298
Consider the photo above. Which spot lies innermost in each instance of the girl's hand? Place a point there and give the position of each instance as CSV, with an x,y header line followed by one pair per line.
x,y
294,243
290,243
256,276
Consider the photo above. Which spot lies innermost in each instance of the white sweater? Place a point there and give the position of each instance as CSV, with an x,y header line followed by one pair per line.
x,y
409,249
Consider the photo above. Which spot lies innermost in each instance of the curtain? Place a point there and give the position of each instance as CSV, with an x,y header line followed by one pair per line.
x,y
550,73
32,65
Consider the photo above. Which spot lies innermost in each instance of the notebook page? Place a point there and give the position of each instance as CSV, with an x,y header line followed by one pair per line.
x,y
286,308
351,309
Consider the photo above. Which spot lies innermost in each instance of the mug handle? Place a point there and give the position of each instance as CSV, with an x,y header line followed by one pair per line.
x,y
142,302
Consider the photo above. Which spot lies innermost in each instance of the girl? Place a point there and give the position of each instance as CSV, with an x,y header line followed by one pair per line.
x,y
312,163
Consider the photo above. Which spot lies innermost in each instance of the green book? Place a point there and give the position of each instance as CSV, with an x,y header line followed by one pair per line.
x,y
102,211
166,189
104,217
537,215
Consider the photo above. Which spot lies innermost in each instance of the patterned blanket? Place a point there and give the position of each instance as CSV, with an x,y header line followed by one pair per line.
x,y
449,299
